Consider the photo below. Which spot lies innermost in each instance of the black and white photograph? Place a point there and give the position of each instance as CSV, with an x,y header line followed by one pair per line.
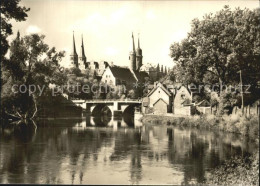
x,y
130,92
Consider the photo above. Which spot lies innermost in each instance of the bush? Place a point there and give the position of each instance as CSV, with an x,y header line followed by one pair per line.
x,y
233,123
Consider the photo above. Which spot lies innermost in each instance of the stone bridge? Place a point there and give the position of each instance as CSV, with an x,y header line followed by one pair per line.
x,y
116,107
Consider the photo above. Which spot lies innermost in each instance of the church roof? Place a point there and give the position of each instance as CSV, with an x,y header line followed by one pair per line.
x,y
122,73
141,76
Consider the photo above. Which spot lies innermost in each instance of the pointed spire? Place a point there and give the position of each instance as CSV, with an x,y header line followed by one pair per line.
x,y
74,52
133,42
82,53
158,68
18,34
138,42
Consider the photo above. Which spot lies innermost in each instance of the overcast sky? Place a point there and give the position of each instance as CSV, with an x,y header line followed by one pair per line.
x,y
107,25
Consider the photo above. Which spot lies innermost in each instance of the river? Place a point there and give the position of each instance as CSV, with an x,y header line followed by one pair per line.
x,y
112,151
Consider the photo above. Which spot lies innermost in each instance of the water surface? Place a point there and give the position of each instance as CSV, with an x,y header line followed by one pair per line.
x,y
105,151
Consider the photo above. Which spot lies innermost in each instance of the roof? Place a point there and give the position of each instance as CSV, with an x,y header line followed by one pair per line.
x,y
148,67
159,100
162,87
203,103
122,73
187,102
141,76
179,86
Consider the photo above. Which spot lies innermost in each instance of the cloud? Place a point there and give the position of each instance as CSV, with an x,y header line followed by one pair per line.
x,y
33,29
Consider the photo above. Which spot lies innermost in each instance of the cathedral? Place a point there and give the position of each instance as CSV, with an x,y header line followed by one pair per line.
x,y
135,62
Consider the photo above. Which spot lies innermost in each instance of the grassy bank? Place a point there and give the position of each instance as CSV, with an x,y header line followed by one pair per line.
x,y
233,123
237,171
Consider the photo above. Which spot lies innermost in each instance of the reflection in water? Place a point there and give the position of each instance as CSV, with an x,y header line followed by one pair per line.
x,y
75,152
110,121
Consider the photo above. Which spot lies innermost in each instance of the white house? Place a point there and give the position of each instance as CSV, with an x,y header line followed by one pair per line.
x,y
183,101
115,75
158,100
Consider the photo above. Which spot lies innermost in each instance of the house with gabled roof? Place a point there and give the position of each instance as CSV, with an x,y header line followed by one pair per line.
x,y
117,75
182,104
204,107
158,100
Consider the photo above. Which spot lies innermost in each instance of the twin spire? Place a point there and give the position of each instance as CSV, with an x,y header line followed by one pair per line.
x,y
82,53
133,42
135,56
74,51
138,46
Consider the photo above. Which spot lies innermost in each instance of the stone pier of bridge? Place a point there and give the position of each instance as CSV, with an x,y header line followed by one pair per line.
x,y
117,107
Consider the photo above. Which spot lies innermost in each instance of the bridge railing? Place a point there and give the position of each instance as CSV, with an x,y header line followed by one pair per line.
x,y
108,100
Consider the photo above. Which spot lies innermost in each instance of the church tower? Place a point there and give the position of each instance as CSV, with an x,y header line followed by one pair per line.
x,y
158,72
82,57
132,56
139,56
74,55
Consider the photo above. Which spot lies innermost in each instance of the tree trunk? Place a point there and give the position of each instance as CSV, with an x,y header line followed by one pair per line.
x,y
35,107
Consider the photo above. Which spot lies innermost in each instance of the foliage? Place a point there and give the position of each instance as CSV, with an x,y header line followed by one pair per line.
x,y
218,46
234,124
132,94
10,10
32,63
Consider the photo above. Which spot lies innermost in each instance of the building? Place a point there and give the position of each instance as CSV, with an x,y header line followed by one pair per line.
x,y
94,67
204,107
97,69
176,99
116,75
182,103
74,55
158,100
151,71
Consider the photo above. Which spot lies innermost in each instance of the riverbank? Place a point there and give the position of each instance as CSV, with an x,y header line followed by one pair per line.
x,y
237,171
234,124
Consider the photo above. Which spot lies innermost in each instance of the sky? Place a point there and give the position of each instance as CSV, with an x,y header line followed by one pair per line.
x,y
107,26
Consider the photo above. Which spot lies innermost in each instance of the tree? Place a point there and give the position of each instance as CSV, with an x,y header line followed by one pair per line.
x,y
9,9
32,64
218,46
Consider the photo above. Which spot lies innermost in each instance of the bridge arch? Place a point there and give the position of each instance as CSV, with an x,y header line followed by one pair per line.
x,y
129,110
101,109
